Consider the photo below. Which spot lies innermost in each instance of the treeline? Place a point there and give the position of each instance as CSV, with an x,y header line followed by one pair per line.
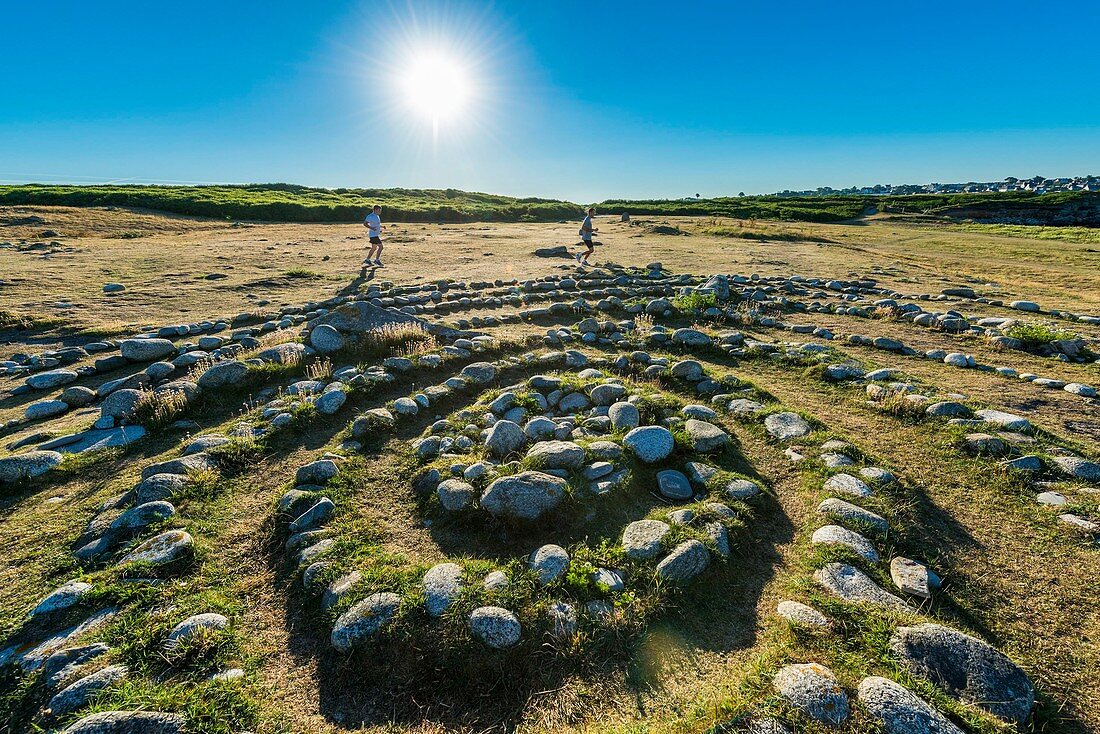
x,y
291,203
1078,206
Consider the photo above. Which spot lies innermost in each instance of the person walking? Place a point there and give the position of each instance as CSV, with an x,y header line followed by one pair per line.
x,y
587,230
373,223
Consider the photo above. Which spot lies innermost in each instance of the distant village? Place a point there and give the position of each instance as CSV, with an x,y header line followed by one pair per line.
x,y
1037,185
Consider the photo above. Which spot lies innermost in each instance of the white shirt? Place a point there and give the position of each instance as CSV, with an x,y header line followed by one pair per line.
x,y
586,228
374,225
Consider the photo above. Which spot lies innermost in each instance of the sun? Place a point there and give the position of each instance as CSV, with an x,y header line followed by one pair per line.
x,y
436,86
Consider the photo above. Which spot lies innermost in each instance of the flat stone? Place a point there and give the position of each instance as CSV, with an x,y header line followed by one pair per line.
x,y
195,625
787,426
363,620
1078,468
642,539
674,485
61,598
128,722
966,668
526,495
169,546
28,465
1007,421
705,437
556,455
837,535
802,614
900,711
852,585
913,577
847,484
848,512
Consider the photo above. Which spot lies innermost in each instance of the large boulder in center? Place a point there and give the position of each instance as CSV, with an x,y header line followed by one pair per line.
x,y
145,350
360,317
650,443
556,455
525,496
505,437
966,668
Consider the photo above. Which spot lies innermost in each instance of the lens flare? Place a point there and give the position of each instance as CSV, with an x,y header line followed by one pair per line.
x,y
436,87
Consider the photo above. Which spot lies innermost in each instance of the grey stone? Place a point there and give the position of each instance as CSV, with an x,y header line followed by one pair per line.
x,y
318,514
852,585
674,485
331,401
642,539
556,455
685,562
813,689
479,373
787,426
548,562
442,585
223,374
143,515
526,495
900,711
966,668
1078,468
705,437
290,353
317,472
836,535
51,379
495,627
197,624
145,350
504,438
168,547
913,577
326,339
624,416
44,409
455,494
185,465
77,396
744,408
158,487
650,443
802,614
28,465
61,598
364,620
1008,421
847,484
128,722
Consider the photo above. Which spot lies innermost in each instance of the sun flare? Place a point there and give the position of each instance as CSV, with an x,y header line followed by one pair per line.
x,y
436,87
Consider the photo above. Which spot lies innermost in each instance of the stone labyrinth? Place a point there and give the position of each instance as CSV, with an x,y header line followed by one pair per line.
x,y
573,453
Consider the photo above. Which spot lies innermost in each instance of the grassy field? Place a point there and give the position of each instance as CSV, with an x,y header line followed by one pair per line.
x,y
292,203
673,661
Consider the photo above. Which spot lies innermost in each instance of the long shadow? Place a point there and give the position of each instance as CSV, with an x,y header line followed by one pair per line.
x,y
490,691
365,276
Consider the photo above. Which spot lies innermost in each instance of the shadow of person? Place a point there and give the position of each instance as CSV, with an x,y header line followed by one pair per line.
x,y
366,275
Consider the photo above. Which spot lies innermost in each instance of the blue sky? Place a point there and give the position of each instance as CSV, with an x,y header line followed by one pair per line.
x,y
580,100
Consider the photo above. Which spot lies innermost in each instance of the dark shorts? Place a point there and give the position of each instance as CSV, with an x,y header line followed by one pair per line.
x,y
587,243
376,240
